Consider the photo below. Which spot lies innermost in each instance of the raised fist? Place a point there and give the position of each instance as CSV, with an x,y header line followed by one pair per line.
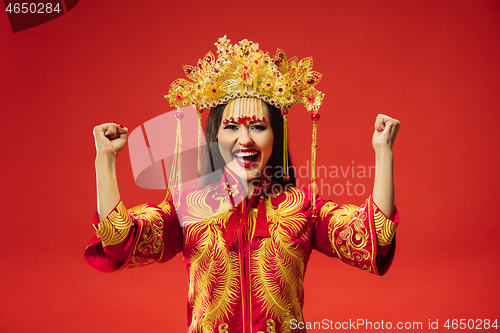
x,y
386,129
110,139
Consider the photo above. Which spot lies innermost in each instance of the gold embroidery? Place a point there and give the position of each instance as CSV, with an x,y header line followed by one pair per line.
x,y
214,271
198,208
223,328
277,267
136,262
166,205
385,229
115,227
348,222
271,327
232,191
150,239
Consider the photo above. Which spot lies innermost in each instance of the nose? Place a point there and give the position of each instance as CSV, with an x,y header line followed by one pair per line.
x,y
244,138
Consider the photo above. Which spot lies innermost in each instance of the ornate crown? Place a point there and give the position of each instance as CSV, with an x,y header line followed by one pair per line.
x,y
243,70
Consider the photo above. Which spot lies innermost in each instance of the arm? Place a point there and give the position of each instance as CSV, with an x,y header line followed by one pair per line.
x,y
359,236
110,139
124,237
386,129
363,236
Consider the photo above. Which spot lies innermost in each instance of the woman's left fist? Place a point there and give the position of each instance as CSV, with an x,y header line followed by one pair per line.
x,y
386,129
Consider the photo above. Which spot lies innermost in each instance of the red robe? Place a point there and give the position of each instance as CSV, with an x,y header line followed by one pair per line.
x,y
245,269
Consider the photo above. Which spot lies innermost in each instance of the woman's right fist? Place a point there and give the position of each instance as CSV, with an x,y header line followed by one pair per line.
x,y
110,139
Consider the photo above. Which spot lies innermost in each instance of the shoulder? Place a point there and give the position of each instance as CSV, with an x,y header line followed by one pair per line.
x,y
198,192
203,203
197,196
299,195
292,196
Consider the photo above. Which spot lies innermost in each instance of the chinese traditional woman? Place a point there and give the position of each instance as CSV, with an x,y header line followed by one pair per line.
x,y
246,237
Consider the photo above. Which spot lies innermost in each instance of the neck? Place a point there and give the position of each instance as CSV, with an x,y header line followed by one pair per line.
x,y
250,189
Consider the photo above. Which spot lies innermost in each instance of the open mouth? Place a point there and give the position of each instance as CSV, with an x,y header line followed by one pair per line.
x,y
246,157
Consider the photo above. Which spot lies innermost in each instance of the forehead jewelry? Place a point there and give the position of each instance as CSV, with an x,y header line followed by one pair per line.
x,y
244,110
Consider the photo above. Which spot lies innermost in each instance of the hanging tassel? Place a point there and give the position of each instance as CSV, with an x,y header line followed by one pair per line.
x,y
314,149
261,226
286,176
198,169
232,232
245,235
175,180
248,109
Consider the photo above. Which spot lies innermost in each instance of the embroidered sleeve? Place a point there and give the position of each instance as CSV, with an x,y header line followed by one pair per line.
x,y
385,228
136,237
115,228
359,236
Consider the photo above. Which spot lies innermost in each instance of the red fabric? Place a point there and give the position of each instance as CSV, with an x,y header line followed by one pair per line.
x,y
261,228
257,281
133,251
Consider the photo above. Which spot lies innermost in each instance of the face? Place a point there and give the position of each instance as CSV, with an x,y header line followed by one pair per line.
x,y
246,147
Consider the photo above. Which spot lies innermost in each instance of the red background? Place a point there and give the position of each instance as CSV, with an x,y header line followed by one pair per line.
x,y
434,65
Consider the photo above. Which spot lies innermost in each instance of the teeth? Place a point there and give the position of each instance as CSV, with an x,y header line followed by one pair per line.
x,y
245,154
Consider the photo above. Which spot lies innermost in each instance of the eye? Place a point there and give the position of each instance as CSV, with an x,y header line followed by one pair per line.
x,y
258,128
231,127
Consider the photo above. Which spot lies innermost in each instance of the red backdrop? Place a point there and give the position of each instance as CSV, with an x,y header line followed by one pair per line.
x,y
432,65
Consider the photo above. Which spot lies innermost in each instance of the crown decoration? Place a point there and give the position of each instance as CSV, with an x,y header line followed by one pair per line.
x,y
243,70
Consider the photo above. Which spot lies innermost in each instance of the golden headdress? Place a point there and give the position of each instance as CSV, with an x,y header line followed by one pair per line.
x,y
243,70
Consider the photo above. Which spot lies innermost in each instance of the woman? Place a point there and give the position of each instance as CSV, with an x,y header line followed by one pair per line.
x,y
246,238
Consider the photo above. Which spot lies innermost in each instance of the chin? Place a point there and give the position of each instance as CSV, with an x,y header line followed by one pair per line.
x,y
245,174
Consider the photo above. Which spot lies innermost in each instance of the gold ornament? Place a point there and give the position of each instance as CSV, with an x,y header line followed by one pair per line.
x,y
243,70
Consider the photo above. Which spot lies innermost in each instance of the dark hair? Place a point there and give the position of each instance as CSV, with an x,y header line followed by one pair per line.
x,y
213,159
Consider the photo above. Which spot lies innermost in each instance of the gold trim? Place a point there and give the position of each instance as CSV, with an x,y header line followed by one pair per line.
x,y
348,222
115,228
223,328
271,327
385,228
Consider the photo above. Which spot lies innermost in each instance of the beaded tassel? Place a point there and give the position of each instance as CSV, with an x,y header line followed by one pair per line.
x,y
286,176
174,180
249,109
314,149
233,230
200,130
261,226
